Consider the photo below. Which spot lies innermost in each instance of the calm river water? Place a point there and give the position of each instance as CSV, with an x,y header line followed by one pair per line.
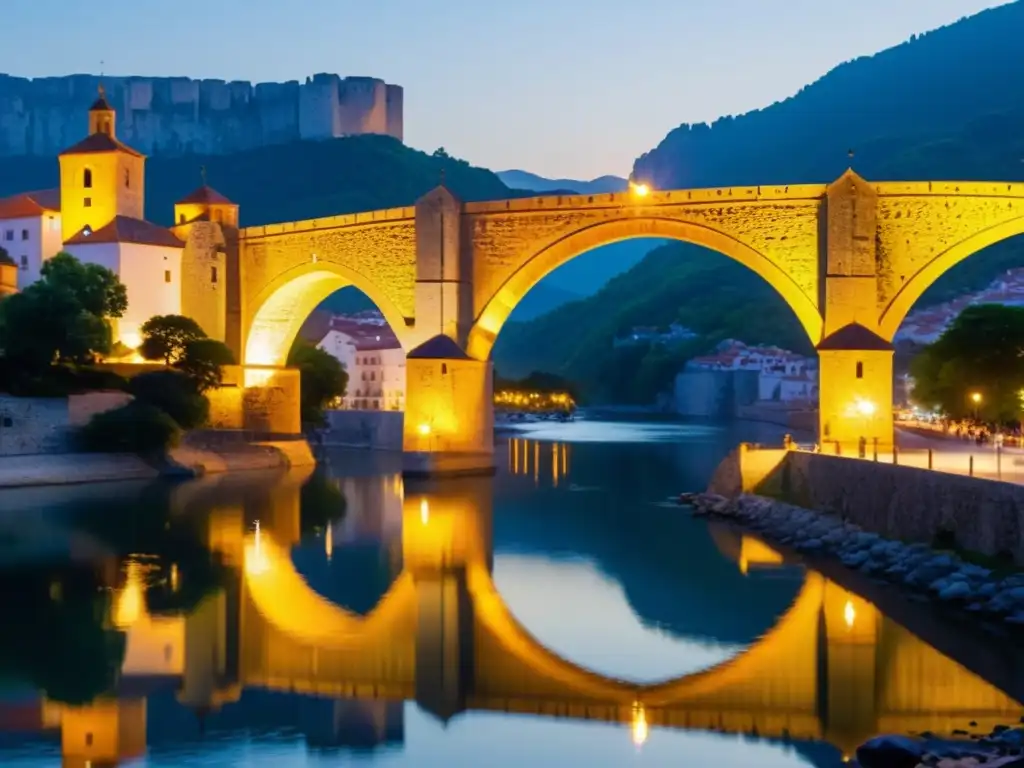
x,y
558,614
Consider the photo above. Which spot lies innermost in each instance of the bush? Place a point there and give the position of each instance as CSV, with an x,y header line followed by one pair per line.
x,y
133,428
174,393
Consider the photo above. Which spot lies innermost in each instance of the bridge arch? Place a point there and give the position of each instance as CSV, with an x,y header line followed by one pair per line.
x,y
495,312
915,286
279,310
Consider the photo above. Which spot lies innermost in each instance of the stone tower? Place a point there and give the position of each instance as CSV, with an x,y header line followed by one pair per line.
x,y
100,178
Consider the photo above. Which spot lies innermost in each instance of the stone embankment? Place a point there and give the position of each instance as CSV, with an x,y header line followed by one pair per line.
x,y
185,461
992,596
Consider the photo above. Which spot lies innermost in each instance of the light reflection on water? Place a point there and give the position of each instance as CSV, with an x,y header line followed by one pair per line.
x,y
604,580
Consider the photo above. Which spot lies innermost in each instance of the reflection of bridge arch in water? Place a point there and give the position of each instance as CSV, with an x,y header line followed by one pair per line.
x,y
443,634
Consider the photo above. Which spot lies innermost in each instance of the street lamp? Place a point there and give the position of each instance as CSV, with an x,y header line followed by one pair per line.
x,y
866,408
976,399
640,190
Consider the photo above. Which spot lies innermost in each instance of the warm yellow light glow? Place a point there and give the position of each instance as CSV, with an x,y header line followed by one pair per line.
x,y
640,190
174,577
423,429
129,603
329,541
424,511
866,408
256,561
639,726
849,614
131,339
975,397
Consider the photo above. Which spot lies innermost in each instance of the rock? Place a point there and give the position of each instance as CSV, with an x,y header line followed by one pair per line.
x,y
890,752
957,590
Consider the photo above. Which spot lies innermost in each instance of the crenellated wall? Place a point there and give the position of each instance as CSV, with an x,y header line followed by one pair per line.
x,y
174,115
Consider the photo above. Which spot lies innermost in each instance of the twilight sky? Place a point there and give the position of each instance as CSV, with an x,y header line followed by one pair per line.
x,y
563,88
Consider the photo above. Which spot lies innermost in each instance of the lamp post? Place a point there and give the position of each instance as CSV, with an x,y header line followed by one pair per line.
x,y
976,400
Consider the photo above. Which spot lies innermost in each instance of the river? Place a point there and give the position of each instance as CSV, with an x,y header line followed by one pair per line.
x,y
560,613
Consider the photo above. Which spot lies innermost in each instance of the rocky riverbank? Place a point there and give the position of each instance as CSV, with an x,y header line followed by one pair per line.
x,y
185,461
990,597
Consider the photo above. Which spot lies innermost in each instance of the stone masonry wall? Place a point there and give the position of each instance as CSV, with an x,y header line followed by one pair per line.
x,y
898,502
175,115
44,425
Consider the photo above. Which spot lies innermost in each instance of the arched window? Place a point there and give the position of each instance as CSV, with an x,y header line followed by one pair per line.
x,y
127,178
87,178
181,218
860,370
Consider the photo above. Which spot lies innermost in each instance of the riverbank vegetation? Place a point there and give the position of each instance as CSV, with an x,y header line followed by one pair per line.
x,y
975,369
324,381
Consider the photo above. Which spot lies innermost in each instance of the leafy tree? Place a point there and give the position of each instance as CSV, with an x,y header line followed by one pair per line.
x,y
133,428
173,392
982,351
323,379
62,318
164,337
98,290
202,360
5,257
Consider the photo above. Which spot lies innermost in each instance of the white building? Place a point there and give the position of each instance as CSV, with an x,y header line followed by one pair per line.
x,y
782,375
97,215
30,230
374,360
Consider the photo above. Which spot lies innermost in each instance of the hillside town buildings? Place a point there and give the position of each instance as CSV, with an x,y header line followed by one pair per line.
x,y
924,326
97,215
375,362
782,375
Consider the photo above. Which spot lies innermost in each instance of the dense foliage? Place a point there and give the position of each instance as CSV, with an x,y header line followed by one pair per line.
x,y
61,318
288,182
324,379
980,357
174,393
164,337
203,361
137,427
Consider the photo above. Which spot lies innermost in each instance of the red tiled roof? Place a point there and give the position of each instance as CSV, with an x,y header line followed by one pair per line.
x,y
30,204
205,195
124,229
99,142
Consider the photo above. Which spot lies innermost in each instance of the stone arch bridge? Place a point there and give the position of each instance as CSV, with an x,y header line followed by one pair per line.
x,y
850,258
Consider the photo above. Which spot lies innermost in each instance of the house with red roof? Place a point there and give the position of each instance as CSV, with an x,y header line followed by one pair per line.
x,y
373,358
97,215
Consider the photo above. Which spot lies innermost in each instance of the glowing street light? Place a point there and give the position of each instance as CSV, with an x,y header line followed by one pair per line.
x,y
423,429
866,408
640,190
975,397
849,614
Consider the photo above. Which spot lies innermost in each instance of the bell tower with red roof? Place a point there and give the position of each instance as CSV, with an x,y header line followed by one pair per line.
x,y
100,178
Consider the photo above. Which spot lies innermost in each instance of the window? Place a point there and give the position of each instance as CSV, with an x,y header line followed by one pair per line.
x,y
87,202
9,234
376,405
167,275
24,262
24,234
217,216
213,275
181,218
7,422
860,370
127,179
87,178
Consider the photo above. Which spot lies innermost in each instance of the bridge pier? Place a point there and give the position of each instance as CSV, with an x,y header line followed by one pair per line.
x,y
449,412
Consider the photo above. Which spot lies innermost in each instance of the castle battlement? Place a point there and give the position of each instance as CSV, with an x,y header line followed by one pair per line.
x,y
177,115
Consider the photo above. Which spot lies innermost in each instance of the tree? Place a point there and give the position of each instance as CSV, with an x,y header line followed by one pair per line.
x,y
324,379
5,257
173,392
202,360
61,318
98,290
981,352
164,337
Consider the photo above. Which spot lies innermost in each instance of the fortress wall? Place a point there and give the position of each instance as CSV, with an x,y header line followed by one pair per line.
x,y
170,116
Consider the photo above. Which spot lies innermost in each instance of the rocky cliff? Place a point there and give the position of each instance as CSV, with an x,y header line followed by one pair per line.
x,y
176,115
